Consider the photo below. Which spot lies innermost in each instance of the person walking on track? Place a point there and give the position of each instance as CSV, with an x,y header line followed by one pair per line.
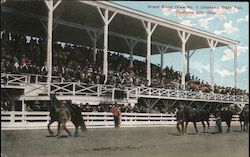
x,y
116,113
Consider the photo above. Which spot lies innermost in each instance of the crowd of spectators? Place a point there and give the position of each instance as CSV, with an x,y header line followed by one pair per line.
x,y
137,108
74,63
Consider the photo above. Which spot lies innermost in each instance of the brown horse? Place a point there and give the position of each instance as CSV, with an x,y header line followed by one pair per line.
x,y
75,111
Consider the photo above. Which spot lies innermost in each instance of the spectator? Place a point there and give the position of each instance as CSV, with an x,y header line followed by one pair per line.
x,y
116,114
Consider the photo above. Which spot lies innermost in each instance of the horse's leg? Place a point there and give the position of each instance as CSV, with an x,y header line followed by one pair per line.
x,y
178,127
208,126
182,127
204,127
76,130
66,129
244,125
59,130
241,125
247,125
195,127
50,132
58,127
228,126
186,127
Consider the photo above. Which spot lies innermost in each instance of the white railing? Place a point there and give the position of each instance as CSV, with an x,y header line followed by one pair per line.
x,y
148,92
14,79
39,120
76,88
24,79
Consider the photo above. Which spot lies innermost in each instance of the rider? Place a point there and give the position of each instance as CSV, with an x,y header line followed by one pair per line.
x,y
63,116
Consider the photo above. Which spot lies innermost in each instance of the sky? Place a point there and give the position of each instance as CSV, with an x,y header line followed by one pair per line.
x,y
226,19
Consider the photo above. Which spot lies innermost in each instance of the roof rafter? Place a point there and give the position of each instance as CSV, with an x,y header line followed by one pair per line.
x,y
162,22
84,27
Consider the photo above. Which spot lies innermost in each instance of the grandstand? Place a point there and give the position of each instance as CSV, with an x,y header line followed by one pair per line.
x,y
90,69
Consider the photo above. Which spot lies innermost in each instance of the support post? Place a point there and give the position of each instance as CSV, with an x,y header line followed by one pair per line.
x,y
94,47
149,31
23,111
188,56
131,49
162,50
49,42
131,44
13,110
51,8
106,21
234,50
94,37
235,67
184,38
188,61
131,58
212,44
105,48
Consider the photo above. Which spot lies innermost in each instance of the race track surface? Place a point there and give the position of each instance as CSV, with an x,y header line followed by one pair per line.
x,y
126,142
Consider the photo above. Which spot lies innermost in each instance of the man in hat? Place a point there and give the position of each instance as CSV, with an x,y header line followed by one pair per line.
x,y
116,113
63,116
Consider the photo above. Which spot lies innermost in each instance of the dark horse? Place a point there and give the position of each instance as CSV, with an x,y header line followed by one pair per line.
x,y
244,117
76,116
226,116
188,114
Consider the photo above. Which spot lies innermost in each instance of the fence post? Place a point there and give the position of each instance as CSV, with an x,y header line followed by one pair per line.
x,y
36,81
98,90
113,94
7,79
128,94
26,80
12,117
136,93
23,111
74,88
120,120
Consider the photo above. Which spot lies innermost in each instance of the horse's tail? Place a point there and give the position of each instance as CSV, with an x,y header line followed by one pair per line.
x,y
83,126
81,120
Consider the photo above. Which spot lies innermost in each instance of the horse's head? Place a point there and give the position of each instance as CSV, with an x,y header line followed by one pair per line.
x,y
236,109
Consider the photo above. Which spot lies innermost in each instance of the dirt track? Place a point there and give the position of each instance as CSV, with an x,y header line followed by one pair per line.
x,y
125,142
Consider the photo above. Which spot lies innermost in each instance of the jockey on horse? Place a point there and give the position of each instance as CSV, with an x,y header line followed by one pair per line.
x,y
72,112
63,116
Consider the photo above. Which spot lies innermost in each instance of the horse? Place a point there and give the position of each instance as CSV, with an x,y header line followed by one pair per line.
x,y
180,118
75,111
244,117
226,116
188,114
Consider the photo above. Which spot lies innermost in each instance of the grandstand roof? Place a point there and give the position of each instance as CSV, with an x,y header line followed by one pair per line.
x,y
72,19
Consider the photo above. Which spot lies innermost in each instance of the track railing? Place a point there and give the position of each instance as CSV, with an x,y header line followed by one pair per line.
x,y
39,120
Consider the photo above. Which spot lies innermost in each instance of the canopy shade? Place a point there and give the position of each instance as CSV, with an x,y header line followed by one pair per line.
x,y
73,20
